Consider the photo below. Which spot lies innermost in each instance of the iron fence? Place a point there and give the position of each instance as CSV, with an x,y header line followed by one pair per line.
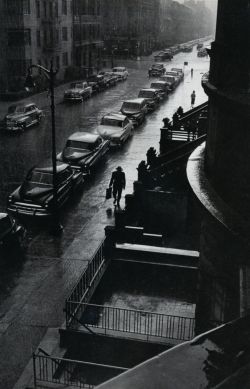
x,y
149,324
70,372
86,283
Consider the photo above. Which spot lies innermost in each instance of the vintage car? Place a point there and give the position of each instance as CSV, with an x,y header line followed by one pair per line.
x,y
187,48
163,56
151,96
110,78
121,72
176,75
99,80
83,151
135,110
115,127
199,46
162,88
171,80
35,197
202,52
180,71
22,116
79,91
11,232
156,70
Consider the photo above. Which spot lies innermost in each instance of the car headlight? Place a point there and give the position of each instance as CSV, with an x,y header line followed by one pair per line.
x,y
10,199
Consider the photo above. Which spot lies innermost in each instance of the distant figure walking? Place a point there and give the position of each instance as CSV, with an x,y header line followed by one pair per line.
x,y
192,72
118,181
193,97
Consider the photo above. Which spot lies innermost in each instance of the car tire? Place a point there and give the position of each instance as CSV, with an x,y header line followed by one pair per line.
x,y
23,127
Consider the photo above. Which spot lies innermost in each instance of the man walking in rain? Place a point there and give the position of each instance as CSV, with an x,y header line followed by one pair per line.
x,y
118,181
193,96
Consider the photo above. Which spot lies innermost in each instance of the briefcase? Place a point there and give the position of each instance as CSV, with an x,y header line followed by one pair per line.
x,y
108,193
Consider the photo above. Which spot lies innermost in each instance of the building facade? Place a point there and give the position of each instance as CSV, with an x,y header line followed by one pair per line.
x,y
87,35
34,32
131,26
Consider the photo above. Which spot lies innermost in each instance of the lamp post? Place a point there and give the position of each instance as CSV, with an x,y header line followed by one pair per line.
x,y
50,74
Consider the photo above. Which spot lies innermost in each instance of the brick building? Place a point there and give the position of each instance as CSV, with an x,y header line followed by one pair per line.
x,y
33,32
87,35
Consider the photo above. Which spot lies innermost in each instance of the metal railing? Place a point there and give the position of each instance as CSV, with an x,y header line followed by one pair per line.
x,y
64,371
149,324
86,283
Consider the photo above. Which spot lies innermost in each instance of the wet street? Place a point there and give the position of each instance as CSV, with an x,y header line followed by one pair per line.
x,y
33,287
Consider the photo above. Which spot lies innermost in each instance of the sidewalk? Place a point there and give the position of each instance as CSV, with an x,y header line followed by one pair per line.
x,y
38,307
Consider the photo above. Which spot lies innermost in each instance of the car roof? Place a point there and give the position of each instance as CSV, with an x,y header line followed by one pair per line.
x,y
115,115
46,167
21,105
148,90
139,100
3,216
84,137
119,67
161,82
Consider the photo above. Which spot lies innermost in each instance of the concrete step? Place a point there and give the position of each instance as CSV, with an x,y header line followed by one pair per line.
x,y
138,235
155,254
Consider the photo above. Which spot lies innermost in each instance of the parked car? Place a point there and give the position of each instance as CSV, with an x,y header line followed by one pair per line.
x,y
115,127
151,96
79,91
135,110
176,75
83,151
11,232
178,70
22,116
156,70
110,78
163,56
162,88
121,72
35,197
99,80
187,48
199,46
202,53
170,80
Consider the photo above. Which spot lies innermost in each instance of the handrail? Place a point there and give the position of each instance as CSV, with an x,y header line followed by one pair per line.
x,y
136,322
193,111
177,153
58,370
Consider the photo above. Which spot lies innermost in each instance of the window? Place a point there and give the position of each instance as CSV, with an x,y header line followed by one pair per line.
x,y
56,8
19,37
45,8
56,36
57,62
38,11
65,59
50,9
26,7
64,7
38,38
64,33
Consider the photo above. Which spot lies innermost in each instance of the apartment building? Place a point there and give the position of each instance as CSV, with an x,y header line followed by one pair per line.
x,y
87,35
130,25
33,32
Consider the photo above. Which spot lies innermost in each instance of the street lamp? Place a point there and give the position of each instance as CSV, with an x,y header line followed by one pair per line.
x,y
29,83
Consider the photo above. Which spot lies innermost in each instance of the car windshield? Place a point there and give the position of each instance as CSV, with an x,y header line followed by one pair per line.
x,y
19,109
112,122
146,94
38,179
132,106
76,85
118,70
75,144
157,86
